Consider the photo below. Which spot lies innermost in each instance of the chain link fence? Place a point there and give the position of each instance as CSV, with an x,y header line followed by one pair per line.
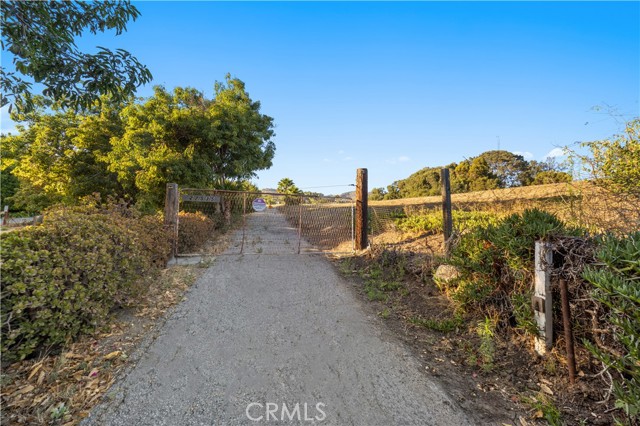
x,y
269,223
580,204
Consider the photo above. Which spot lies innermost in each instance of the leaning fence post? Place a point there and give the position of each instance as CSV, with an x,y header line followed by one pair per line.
x,y
447,218
542,302
171,206
361,209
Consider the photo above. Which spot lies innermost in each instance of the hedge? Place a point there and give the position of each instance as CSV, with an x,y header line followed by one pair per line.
x,y
62,278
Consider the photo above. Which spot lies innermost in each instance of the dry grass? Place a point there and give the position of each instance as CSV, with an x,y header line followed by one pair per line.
x,y
578,204
327,226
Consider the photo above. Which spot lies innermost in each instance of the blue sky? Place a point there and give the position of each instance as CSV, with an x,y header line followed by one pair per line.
x,y
395,87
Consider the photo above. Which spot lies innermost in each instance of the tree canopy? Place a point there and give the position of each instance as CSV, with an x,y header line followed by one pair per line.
x,y
489,170
132,150
40,35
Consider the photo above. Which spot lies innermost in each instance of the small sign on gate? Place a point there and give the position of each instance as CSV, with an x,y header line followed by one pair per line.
x,y
201,198
259,204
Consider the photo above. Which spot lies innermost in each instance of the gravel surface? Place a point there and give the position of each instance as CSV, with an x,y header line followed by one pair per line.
x,y
259,335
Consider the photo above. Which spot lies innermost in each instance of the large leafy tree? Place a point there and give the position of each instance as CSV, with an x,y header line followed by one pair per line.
x,y
186,138
509,169
56,155
40,35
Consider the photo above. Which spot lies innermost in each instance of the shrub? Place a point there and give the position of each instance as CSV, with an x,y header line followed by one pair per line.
x,y
616,280
496,262
431,221
194,229
63,277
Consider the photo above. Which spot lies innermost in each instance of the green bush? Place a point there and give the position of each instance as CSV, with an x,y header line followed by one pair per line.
x,y
63,277
431,221
194,229
496,262
617,287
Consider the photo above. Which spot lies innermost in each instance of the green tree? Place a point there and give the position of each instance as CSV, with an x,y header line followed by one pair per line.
x,y
287,187
40,36
551,176
185,138
377,194
480,175
56,155
509,169
615,162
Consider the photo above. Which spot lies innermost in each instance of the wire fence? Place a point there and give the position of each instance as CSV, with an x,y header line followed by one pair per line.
x,y
272,223
579,204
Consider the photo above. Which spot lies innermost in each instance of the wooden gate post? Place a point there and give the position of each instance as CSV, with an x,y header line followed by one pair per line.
x,y
447,218
362,207
171,207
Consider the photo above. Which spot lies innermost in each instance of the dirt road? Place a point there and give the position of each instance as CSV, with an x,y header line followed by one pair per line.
x,y
275,339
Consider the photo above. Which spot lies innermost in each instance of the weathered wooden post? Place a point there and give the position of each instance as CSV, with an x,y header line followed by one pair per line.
x,y
447,218
542,302
5,215
362,207
171,207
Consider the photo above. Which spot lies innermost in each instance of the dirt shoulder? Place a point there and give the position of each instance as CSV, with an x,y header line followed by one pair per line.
x,y
497,379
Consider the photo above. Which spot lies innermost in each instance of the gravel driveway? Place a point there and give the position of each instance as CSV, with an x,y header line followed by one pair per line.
x,y
275,339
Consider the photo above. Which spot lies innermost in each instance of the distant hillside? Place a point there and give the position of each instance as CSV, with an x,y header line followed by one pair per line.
x,y
350,194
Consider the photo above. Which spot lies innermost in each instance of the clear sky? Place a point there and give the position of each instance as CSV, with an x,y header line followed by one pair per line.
x,y
395,87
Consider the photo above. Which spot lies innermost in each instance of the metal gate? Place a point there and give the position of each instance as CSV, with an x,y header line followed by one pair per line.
x,y
240,222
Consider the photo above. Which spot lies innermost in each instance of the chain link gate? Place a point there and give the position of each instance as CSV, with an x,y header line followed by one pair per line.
x,y
270,223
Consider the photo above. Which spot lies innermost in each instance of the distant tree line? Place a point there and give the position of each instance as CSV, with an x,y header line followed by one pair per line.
x,y
489,170
132,149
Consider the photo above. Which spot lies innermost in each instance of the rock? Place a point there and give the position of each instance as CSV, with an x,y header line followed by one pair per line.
x,y
445,274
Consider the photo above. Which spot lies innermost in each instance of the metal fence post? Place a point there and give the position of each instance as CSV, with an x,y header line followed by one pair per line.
x,y
362,202
542,302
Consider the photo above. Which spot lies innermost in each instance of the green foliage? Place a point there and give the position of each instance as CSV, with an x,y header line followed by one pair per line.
x,y
132,150
446,325
489,170
431,221
551,176
63,277
615,162
57,156
377,194
185,138
496,262
41,38
9,185
194,230
544,405
486,331
615,280
286,186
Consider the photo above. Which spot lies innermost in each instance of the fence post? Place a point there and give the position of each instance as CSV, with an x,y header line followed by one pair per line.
x,y
171,207
362,207
542,302
5,215
447,219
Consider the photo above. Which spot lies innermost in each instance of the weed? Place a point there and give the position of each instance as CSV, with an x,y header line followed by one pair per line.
x,y
385,313
59,411
446,325
486,332
544,408
259,250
